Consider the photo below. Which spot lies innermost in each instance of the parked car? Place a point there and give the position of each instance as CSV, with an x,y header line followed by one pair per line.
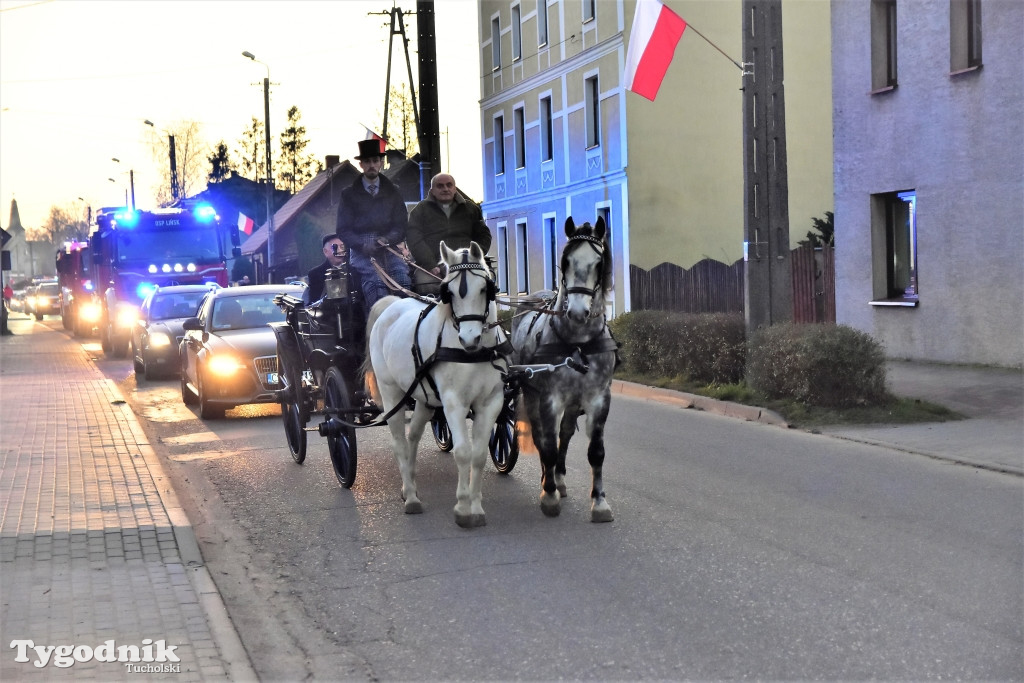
x,y
228,356
46,299
158,329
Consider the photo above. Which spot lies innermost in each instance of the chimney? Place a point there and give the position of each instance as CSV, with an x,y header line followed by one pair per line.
x,y
331,160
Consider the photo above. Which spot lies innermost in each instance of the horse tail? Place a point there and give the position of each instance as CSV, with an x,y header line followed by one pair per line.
x,y
366,368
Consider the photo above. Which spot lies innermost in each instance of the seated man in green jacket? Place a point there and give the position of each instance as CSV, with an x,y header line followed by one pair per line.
x,y
447,216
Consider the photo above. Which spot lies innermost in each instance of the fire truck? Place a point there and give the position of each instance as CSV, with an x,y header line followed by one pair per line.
x,y
78,309
133,252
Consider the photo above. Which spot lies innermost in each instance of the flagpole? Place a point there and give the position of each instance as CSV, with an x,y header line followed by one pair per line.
x,y
694,28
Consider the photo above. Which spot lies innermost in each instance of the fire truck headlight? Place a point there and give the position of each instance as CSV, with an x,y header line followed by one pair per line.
x,y
166,268
224,365
159,340
152,268
191,267
178,268
126,316
87,285
89,312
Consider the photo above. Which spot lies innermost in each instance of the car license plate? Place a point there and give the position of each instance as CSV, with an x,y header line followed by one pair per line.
x,y
271,378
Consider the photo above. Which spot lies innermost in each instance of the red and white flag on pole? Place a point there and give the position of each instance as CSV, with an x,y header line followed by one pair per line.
x,y
656,31
245,224
370,135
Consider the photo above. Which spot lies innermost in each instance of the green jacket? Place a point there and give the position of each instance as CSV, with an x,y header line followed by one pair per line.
x,y
428,226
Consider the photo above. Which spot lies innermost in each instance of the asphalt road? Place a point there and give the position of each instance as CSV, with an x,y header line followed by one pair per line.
x,y
738,550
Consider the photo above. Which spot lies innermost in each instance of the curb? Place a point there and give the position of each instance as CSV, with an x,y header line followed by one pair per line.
x,y
696,402
222,629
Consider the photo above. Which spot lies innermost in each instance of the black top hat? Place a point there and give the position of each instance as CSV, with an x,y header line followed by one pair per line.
x,y
369,149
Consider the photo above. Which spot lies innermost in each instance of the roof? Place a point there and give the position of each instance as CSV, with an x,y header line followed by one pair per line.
x,y
293,206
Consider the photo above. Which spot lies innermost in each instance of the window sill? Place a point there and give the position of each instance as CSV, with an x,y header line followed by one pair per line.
x,y
882,91
899,303
968,70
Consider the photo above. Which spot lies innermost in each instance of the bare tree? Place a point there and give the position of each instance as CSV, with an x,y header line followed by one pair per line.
x,y
402,132
295,168
63,223
190,156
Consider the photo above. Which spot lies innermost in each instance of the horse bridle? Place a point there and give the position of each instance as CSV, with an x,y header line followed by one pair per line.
x,y
467,269
598,246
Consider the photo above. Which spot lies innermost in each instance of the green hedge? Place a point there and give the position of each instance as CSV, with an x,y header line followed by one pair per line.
x,y
824,365
707,347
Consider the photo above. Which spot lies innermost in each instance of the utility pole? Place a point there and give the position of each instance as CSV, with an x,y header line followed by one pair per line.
x,y
270,173
768,285
429,125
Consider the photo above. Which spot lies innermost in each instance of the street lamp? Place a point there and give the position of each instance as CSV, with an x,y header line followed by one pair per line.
x,y
270,177
131,182
174,165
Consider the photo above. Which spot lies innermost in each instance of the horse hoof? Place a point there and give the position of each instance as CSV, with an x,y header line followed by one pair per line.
x,y
550,505
470,521
414,507
601,514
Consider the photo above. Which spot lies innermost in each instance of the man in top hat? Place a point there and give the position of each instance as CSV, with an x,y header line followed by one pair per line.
x,y
372,215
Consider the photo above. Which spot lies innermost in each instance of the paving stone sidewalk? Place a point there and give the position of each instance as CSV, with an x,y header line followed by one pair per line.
x,y
94,546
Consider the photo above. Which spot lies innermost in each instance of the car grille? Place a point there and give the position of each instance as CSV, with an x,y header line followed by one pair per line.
x,y
264,366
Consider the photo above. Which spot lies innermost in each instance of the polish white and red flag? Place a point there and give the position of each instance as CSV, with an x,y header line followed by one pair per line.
x,y
370,135
245,224
652,43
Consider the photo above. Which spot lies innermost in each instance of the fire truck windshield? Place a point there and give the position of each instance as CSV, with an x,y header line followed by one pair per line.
x,y
194,245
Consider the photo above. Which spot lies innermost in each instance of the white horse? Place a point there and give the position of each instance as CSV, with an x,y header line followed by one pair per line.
x,y
449,354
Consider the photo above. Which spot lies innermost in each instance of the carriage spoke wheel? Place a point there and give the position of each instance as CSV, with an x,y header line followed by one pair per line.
x,y
341,439
442,430
291,411
504,441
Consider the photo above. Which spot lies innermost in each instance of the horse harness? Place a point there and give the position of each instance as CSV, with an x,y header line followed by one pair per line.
x,y
447,354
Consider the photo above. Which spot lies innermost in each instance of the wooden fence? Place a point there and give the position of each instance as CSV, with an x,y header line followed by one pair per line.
x,y
713,287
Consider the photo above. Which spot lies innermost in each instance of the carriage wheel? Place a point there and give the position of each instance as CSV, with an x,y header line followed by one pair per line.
x,y
294,431
504,441
442,431
341,439
291,410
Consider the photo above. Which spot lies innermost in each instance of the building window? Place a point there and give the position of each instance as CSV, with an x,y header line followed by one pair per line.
x,y
964,35
502,257
517,34
542,23
495,43
522,258
546,137
593,111
519,120
883,45
894,247
550,253
499,145
589,9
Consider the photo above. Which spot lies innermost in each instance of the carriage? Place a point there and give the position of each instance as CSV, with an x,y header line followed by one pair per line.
x,y
461,360
320,351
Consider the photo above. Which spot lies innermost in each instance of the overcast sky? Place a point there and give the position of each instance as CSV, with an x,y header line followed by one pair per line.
x,y
79,77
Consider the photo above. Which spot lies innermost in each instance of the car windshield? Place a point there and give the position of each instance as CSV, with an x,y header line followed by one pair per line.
x,y
49,289
176,305
158,247
245,312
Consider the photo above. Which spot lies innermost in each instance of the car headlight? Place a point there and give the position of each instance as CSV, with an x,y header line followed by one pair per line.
x,y
126,316
224,365
90,312
159,339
